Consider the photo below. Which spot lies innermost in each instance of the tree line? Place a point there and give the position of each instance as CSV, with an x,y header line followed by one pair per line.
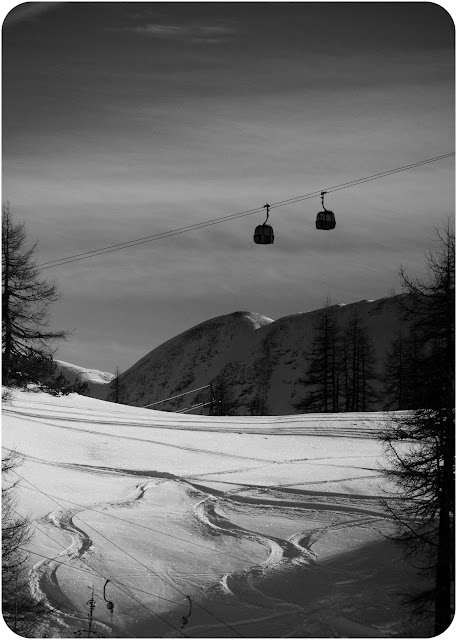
x,y
417,383
340,365
419,443
342,375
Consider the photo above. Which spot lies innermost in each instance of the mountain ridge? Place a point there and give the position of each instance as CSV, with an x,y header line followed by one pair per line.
x,y
97,381
259,361
257,358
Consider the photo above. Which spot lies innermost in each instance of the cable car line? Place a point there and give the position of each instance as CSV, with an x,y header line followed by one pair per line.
x,y
65,564
150,610
142,526
195,406
96,573
356,181
165,234
145,239
93,571
149,569
178,396
115,583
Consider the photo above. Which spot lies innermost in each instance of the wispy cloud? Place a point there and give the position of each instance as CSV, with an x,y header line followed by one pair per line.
x,y
28,11
207,33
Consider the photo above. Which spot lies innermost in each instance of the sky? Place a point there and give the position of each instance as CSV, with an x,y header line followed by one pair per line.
x,y
125,120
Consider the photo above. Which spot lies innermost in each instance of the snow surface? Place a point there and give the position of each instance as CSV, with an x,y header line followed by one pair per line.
x,y
97,381
86,375
272,525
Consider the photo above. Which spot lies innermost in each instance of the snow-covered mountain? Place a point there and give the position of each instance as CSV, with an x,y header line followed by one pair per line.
x,y
259,360
97,381
191,360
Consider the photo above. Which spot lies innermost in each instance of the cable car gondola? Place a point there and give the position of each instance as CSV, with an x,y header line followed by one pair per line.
x,y
325,219
263,233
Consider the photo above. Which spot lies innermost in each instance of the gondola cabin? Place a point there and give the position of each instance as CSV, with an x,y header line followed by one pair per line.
x,y
325,220
263,233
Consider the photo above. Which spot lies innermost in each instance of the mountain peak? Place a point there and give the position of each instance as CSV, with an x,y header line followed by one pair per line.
x,y
255,357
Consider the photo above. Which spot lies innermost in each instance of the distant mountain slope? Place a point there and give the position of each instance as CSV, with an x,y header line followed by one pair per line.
x,y
191,359
97,381
257,358
271,369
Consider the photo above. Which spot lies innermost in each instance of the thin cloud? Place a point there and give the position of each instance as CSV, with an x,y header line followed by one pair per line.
x,y
190,32
28,11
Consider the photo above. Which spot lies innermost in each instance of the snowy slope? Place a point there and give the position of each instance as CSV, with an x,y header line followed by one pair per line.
x,y
256,357
97,381
272,525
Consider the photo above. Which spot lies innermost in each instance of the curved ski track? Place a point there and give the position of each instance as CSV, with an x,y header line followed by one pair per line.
x,y
245,585
43,579
208,513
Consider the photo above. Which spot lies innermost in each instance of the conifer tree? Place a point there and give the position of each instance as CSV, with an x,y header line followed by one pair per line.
x,y
367,370
395,374
420,444
403,384
225,402
258,405
80,387
117,389
358,371
26,298
322,377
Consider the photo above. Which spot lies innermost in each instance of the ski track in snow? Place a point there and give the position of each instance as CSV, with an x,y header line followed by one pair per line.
x,y
209,512
43,579
296,549
245,585
149,441
367,425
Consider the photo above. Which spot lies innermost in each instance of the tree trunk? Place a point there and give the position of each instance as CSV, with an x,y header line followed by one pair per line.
x,y
444,569
6,363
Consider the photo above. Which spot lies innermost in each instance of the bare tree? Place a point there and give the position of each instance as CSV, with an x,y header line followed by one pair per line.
x,y
420,444
25,299
21,611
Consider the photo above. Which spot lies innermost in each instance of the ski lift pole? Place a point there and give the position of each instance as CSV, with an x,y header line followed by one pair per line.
x,y
185,619
92,605
109,605
15,607
211,403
